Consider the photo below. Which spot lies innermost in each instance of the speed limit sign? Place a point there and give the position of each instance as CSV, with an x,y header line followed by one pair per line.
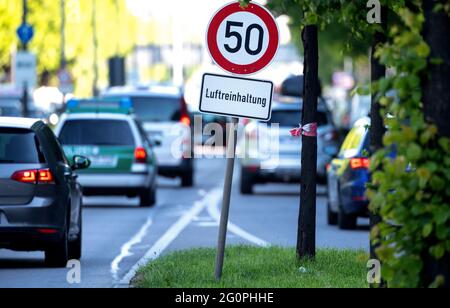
x,y
243,41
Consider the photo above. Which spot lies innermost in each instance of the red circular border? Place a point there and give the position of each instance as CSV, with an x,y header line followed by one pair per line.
x,y
237,68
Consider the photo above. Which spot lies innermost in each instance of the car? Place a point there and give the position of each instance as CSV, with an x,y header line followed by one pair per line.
x,y
282,162
123,162
40,197
11,104
10,108
348,175
164,114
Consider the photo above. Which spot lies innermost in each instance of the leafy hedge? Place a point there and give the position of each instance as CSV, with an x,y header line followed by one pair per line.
x,y
411,191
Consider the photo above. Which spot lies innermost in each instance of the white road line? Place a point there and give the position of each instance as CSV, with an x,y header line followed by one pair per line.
x,y
125,251
214,212
171,234
209,202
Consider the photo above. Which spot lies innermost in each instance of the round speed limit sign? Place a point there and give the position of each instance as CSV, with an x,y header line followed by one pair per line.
x,y
243,41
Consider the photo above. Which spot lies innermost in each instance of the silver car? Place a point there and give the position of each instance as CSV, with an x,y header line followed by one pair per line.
x,y
269,153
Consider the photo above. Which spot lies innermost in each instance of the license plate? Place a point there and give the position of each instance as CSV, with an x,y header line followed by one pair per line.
x,y
104,162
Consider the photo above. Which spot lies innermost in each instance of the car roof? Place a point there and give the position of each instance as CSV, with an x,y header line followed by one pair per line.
x,y
145,91
363,122
18,122
294,103
100,116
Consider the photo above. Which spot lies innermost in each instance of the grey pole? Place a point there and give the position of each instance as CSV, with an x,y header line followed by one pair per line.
x,y
231,151
63,34
25,98
95,46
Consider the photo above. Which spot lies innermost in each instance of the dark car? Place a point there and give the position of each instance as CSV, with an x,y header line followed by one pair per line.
x,y
40,198
348,175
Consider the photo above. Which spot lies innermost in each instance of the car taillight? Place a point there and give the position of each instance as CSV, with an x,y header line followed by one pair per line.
x,y
360,163
184,119
27,176
43,176
140,155
47,231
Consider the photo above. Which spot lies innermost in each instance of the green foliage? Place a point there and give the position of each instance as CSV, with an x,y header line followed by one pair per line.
x,y
344,30
410,192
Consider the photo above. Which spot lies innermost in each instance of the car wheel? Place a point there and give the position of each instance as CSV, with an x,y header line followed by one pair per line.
x,y
148,197
58,255
246,183
187,179
332,216
76,247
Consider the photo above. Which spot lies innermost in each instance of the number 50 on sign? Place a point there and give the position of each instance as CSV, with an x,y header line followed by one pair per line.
x,y
243,41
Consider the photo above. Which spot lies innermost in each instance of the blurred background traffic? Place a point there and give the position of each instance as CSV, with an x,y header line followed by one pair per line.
x,y
70,48
118,82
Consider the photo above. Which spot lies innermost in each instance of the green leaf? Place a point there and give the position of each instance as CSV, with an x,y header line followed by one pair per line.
x,y
427,230
437,251
414,152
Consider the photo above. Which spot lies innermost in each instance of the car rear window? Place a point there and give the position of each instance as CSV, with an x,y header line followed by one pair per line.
x,y
353,142
97,132
19,146
290,118
157,109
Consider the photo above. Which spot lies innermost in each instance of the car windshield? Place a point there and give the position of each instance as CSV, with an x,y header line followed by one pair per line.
x,y
19,146
291,118
157,109
97,132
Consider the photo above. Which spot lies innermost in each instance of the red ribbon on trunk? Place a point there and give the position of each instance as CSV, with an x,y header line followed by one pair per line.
x,y
308,130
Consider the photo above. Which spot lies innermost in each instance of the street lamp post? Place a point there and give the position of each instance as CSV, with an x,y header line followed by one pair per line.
x,y
24,46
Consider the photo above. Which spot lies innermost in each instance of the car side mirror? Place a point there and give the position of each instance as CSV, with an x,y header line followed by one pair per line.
x,y
80,163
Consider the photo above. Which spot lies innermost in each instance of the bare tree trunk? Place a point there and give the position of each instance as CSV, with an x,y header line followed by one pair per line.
x,y
436,90
306,244
436,95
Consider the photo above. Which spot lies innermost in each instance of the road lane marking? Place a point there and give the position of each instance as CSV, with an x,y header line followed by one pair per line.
x,y
171,234
125,251
214,212
210,202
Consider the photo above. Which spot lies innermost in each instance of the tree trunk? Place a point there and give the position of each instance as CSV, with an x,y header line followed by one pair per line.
x,y
436,92
306,244
436,95
377,128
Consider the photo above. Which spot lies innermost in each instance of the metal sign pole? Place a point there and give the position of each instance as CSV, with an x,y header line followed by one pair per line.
x,y
231,151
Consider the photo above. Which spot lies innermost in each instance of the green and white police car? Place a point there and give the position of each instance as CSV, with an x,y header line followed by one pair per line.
x,y
123,162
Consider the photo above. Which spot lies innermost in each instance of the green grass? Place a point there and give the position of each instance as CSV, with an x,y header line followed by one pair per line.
x,y
251,267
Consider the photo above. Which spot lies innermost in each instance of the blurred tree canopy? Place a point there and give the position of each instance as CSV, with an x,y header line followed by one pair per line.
x,y
336,40
116,30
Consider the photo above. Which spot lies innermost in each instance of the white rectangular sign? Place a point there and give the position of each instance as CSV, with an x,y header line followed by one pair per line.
x,y
236,97
24,70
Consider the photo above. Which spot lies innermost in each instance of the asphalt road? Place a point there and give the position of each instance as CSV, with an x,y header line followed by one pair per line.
x,y
118,235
